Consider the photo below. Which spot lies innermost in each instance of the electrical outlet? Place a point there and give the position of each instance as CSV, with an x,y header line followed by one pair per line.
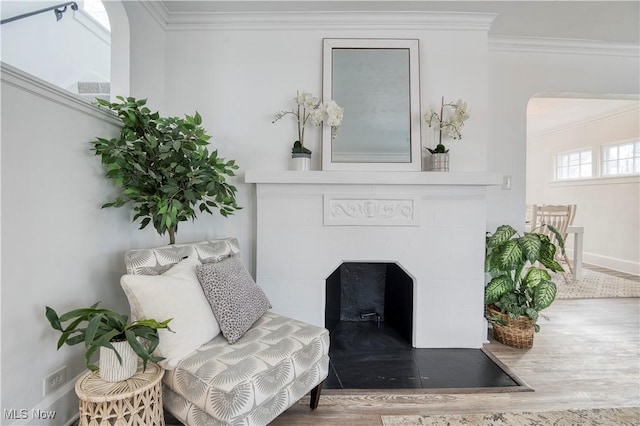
x,y
54,380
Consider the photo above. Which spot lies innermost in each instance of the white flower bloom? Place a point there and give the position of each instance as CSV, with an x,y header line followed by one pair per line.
x,y
334,113
430,116
311,108
307,100
317,115
461,113
450,119
335,120
300,97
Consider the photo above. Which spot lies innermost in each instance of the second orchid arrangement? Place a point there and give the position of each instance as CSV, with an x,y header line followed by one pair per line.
x,y
449,122
310,108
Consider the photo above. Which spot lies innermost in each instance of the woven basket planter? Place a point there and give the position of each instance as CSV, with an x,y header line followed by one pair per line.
x,y
517,333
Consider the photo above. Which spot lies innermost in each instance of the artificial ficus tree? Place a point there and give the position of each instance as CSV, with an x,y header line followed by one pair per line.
x,y
162,166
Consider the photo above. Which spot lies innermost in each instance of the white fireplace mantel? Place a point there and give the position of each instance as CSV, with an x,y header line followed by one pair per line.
x,y
373,178
432,224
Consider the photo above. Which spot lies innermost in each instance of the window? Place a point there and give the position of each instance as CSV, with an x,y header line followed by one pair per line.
x,y
621,159
96,10
574,165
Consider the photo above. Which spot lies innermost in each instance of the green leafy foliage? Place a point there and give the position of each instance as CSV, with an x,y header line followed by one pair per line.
x,y
439,149
298,148
98,327
162,166
520,282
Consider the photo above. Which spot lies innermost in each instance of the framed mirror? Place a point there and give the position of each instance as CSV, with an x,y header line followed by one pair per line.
x,y
377,82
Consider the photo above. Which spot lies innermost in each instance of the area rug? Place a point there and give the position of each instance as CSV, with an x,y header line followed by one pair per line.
x,y
603,416
595,285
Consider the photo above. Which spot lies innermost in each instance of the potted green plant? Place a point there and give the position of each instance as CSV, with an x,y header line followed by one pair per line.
x,y
449,122
120,342
162,166
520,285
308,107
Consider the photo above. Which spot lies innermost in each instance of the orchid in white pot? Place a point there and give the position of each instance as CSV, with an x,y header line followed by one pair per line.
x,y
448,121
310,108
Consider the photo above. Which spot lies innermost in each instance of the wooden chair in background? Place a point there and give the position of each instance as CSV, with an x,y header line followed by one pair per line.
x,y
558,216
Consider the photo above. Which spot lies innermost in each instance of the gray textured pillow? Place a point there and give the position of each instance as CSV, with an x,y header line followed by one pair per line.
x,y
236,300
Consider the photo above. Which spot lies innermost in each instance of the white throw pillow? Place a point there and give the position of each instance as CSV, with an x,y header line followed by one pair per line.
x,y
175,294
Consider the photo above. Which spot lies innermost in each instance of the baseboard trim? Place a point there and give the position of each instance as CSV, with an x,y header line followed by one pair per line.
x,y
620,265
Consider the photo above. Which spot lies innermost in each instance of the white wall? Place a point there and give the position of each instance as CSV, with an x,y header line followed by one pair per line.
x,y
59,248
608,208
237,78
521,68
63,52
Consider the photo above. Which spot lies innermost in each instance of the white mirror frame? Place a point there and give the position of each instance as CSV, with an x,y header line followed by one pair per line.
x,y
415,163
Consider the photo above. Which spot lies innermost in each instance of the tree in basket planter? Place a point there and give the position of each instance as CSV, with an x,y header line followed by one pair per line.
x,y
162,166
311,108
102,329
520,285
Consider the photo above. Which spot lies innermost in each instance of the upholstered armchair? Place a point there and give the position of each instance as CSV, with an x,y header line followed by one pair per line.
x,y
230,360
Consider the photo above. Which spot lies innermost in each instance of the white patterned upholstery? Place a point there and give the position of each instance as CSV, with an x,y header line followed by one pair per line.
x,y
157,260
250,382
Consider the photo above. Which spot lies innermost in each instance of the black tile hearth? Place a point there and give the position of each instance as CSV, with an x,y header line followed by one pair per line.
x,y
365,356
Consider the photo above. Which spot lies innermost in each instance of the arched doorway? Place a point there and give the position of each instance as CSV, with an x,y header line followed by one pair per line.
x,y
584,149
120,52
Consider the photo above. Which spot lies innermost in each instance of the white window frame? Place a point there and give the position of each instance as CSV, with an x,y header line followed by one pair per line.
x,y
635,159
561,177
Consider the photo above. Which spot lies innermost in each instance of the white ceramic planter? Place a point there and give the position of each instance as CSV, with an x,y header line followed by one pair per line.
x,y
110,368
440,162
300,162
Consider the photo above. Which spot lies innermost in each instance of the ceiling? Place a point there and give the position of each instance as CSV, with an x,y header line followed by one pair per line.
x,y
609,21
546,114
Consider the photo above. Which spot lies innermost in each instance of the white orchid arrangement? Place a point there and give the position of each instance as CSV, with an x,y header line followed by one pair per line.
x,y
449,122
310,108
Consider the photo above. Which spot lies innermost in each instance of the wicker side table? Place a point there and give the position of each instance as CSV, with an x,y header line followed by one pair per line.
x,y
136,401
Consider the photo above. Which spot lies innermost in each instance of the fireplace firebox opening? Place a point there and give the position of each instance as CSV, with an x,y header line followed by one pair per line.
x,y
380,293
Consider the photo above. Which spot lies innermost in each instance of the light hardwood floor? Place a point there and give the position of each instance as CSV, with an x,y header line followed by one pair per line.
x,y
618,274
586,356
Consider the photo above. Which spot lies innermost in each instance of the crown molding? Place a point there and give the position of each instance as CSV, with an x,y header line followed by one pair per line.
x,y
158,11
561,46
31,84
632,109
279,20
381,20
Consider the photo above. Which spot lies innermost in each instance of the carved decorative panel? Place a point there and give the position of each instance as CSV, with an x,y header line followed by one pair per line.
x,y
386,210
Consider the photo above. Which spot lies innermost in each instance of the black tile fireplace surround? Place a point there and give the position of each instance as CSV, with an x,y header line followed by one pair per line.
x,y
370,292
363,356
369,312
